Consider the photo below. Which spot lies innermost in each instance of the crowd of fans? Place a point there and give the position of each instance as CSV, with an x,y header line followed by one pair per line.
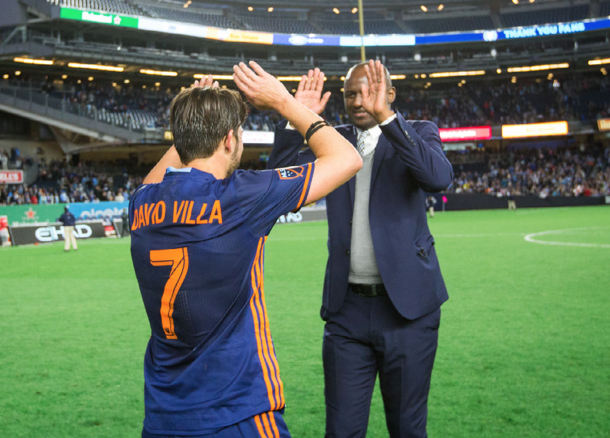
x,y
58,182
541,172
472,103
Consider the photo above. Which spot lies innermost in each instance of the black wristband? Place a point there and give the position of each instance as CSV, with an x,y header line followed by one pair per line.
x,y
315,127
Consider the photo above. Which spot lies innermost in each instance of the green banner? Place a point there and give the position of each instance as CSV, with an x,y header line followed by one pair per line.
x,y
98,17
32,213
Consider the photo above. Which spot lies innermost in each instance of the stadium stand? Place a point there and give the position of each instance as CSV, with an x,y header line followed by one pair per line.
x,y
116,6
217,20
453,24
543,172
377,22
285,22
530,17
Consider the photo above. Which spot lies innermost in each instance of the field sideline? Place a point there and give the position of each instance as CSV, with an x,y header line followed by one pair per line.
x,y
523,350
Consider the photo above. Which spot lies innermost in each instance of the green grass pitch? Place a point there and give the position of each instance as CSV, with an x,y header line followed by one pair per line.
x,y
524,347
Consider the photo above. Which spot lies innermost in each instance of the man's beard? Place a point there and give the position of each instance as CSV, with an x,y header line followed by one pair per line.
x,y
234,163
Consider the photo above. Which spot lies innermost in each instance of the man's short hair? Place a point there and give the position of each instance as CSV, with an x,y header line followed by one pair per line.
x,y
200,118
388,77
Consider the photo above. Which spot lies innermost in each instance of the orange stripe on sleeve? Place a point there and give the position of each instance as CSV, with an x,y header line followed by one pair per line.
x,y
257,330
305,186
259,426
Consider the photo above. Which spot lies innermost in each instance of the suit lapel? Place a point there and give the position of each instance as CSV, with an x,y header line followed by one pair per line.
x,y
380,151
351,135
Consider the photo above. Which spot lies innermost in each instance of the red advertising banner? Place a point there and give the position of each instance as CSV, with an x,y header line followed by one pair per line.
x,y
11,176
465,134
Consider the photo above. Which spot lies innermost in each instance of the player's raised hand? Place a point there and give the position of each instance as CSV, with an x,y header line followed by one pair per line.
x,y
207,81
262,90
375,94
309,92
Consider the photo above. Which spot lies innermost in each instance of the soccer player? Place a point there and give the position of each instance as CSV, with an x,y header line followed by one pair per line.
x,y
198,230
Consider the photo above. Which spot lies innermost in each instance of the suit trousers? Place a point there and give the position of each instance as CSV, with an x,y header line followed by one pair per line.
x,y
366,337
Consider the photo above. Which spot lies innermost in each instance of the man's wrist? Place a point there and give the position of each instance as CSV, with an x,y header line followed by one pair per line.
x,y
383,116
283,104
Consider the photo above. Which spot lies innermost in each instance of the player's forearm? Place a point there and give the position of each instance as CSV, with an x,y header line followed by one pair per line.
x,y
326,143
170,159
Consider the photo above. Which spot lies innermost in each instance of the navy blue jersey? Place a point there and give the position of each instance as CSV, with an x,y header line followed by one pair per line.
x,y
197,245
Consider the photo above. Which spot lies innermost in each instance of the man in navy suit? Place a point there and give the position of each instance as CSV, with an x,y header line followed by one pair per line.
x,y
383,287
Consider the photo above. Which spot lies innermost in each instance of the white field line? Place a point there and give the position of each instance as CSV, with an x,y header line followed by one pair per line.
x,y
531,238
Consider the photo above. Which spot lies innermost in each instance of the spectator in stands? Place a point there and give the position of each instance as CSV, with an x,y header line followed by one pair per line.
x,y
3,160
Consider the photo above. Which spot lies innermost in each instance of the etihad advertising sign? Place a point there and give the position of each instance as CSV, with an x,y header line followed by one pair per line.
x,y
535,130
466,134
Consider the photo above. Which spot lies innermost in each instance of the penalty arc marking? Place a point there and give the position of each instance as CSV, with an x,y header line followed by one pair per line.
x,y
532,238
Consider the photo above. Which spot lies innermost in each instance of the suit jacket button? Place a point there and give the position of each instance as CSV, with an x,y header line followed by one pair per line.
x,y
347,251
350,222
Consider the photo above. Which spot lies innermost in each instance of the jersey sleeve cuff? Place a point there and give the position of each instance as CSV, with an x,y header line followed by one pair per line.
x,y
306,186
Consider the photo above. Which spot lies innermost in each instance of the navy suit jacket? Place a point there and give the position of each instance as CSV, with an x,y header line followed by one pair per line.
x,y
408,162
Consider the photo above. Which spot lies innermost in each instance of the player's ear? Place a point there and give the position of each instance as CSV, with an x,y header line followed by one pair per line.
x,y
229,142
391,95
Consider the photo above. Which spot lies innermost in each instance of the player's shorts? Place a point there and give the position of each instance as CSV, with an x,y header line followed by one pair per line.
x,y
266,425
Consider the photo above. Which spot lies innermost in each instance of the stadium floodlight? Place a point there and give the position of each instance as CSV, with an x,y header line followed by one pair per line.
x,y
217,77
95,67
336,11
451,74
423,8
538,67
354,10
398,77
599,61
441,7
158,73
33,61
250,8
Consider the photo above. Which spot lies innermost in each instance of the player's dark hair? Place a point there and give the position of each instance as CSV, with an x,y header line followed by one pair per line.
x,y
200,118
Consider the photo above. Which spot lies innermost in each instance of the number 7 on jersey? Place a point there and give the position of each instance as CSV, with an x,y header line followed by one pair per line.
x,y
178,259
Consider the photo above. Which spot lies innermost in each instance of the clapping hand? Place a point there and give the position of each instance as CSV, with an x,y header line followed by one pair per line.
x,y
309,92
375,94
207,81
262,90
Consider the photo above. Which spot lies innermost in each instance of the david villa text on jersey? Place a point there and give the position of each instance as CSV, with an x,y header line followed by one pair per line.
x,y
154,213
